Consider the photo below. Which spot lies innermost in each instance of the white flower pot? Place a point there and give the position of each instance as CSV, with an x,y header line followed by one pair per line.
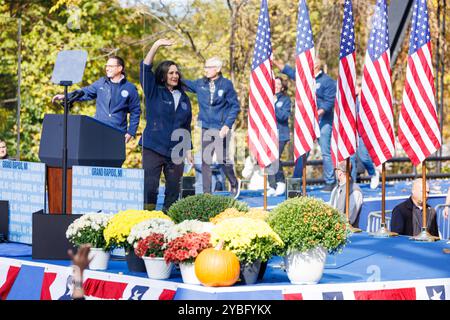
x,y
306,267
157,268
188,273
100,259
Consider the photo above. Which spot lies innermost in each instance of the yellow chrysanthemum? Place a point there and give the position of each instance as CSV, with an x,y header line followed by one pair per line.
x,y
255,213
234,213
227,214
248,238
120,225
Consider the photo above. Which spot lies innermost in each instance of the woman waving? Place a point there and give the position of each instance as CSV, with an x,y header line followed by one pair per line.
x,y
166,140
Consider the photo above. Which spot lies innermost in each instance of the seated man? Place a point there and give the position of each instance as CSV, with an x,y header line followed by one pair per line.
x,y
407,216
337,199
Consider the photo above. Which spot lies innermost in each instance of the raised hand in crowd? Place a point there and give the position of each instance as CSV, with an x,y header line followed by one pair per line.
x,y
80,261
152,52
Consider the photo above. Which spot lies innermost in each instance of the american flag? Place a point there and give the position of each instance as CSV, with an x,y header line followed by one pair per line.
x,y
419,132
343,139
262,126
375,117
306,124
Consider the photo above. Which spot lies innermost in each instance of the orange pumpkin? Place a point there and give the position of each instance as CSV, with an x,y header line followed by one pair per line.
x,y
217,268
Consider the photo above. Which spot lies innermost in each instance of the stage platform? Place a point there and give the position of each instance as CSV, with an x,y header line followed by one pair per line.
x,y
368,268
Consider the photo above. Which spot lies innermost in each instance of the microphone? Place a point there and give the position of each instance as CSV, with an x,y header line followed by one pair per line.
x,y
74,96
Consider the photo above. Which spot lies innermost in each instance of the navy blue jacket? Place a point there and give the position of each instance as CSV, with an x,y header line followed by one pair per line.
x,y
402,219
115,115
325,93
225,106
282,113
162,119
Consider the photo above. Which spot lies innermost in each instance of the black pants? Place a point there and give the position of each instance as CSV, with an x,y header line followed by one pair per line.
x,y
212,143
279,175
153,163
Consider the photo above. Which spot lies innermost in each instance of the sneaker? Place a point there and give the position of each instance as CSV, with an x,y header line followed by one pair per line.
x,y
374,181
328,188
281,189
235,192
271,192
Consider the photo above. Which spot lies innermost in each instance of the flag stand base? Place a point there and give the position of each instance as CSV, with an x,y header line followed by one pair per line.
x,y
383,232
353,229
424,236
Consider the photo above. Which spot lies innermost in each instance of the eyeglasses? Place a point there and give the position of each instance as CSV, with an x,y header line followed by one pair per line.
x,y
210,67
111,65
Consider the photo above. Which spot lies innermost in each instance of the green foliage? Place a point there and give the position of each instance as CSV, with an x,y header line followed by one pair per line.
x,y
304,223
203,207
99,27
261,249
201,28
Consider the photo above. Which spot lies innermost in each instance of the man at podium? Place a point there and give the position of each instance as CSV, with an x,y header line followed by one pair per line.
x,y
115,96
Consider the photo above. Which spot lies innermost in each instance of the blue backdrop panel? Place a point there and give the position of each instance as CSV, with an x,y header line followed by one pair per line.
x,y
109,190
23,185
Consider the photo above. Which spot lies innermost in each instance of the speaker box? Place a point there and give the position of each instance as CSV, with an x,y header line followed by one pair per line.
x,y
187,187
4,220
293,187
49,235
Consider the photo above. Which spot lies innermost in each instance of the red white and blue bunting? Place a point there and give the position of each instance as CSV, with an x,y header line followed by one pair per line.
x,y
55,283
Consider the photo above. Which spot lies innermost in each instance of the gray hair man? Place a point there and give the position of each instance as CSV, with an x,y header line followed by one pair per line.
x,y
338,195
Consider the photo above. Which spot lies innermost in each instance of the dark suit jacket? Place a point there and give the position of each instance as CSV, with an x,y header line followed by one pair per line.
x,y
402,221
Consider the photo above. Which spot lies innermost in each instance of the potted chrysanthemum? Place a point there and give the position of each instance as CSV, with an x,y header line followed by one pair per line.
x,y
309,228
119,228
252,240
183,250
151,250
142,231
88,229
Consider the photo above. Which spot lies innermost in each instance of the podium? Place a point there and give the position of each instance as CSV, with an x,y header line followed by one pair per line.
x,y
89,143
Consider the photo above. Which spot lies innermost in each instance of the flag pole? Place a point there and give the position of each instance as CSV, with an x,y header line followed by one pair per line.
x,y
424,235
304,174
347,197
265,188
383,231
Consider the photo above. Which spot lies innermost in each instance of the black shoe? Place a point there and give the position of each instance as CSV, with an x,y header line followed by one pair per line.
x,y
218,187
327,188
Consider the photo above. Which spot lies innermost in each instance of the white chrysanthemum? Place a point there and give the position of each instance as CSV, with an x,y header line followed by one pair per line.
x,y
147,227
92,220
188,226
